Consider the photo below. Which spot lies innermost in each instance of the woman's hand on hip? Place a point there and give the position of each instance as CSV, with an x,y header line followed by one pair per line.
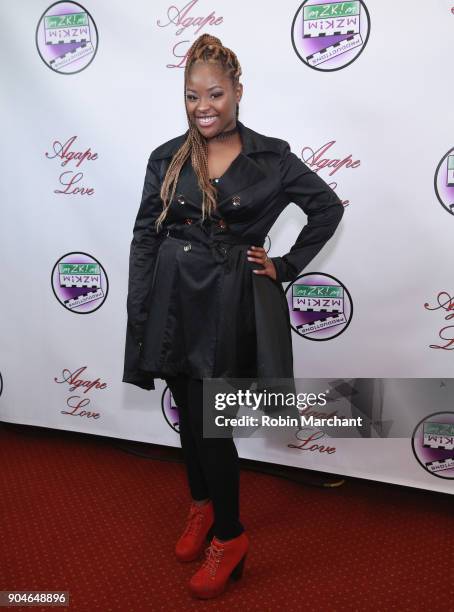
x,y
259,255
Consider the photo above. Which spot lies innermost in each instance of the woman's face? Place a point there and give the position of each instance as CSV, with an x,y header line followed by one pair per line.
x,y
211,99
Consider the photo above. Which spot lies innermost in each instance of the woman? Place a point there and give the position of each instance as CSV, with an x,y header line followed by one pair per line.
x,y
204,298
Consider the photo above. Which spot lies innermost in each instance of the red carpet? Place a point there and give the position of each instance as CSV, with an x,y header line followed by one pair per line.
x,y
79,515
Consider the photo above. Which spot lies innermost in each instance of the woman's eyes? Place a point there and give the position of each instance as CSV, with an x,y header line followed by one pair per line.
x,y
192,98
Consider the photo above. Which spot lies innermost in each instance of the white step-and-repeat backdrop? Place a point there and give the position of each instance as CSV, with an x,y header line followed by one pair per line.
x,y
361,90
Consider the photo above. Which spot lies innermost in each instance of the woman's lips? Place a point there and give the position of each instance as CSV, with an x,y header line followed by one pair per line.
x,y
206,121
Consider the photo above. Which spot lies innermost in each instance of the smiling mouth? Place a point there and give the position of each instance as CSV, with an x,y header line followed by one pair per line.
x,y
206,121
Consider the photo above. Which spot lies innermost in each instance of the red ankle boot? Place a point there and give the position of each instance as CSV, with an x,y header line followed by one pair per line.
x,y
223,560
199,523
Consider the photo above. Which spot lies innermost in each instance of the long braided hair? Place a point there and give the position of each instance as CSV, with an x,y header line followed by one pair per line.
x,y
210,49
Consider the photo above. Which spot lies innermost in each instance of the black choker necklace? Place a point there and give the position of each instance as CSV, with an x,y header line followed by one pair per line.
x,y
226,134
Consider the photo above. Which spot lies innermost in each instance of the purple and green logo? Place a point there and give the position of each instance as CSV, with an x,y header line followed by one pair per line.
x,y
433,444
330,35
320,306
170,410
444,181
79,282
66,37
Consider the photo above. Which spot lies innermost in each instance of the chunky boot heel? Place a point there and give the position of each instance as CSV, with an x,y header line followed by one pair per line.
x,y
237,571
224,560
200,521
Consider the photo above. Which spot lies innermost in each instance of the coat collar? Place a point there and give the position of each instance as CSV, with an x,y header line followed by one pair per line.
x,y
253,142
243,172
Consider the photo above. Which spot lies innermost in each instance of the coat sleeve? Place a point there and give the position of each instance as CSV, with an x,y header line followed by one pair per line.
x,y
142,257
319,202
144,245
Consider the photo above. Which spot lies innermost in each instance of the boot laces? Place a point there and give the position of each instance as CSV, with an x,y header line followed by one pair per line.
x,y
214,555
195,520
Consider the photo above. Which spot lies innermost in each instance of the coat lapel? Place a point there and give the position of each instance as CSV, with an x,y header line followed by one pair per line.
x,y
244,172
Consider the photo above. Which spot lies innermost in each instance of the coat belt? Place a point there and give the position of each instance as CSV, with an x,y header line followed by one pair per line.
x,y
217,242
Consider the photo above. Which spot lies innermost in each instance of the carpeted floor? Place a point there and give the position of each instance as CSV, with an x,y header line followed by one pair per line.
x,y
79,515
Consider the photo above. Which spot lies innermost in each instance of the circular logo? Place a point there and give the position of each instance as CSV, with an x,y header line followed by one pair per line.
x,y
66,37
320,306
170,410
330,35
433,444
79,282
444,181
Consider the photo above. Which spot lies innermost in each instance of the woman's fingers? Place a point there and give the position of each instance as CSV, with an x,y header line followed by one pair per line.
x,y
259,255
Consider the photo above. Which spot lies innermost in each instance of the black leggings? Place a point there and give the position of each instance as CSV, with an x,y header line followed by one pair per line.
x,y
212,464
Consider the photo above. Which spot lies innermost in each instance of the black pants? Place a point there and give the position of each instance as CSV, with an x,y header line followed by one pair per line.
x,y
212,464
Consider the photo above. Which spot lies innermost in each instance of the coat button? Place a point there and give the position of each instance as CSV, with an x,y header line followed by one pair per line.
x,y
236,200
222,224
187,247
180,199
188,221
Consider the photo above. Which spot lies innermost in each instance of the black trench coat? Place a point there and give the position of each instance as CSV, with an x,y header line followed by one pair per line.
x,y
194,305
